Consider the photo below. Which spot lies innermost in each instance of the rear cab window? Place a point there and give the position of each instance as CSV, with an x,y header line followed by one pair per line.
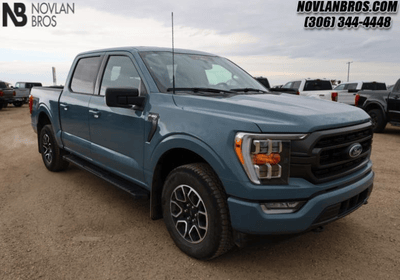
x,y
314,85
374,86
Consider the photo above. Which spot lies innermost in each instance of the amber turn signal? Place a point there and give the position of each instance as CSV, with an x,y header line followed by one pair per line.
x,y
262,159
238,150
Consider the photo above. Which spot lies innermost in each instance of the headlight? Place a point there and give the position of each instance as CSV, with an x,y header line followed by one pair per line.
x,y
265,157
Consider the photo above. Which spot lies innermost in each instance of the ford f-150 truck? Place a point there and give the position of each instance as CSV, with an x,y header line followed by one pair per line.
x,y
216,153
382,105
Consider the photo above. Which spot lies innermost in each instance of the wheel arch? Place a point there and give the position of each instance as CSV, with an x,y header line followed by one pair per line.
x,y
43,119
373,105
173,153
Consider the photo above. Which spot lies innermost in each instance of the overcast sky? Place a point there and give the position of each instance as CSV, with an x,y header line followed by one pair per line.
x,y
266,38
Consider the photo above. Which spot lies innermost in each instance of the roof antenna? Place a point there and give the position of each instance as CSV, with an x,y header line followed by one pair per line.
x,y
173,55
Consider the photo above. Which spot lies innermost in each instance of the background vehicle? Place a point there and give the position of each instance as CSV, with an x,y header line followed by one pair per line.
x,y
22,91
264,81
317,88
6,94
347,91
382,105
217,155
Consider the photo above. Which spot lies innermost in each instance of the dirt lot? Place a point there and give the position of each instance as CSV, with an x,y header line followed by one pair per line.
x,y
72,225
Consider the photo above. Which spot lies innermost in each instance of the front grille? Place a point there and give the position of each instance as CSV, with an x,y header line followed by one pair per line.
x,y
325,155
343,208
329,141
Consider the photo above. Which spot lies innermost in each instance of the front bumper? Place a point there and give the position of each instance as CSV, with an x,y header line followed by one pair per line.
x,y
248,217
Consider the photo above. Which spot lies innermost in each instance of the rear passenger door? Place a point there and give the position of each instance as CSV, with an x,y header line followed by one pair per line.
x,y
74,103
117,134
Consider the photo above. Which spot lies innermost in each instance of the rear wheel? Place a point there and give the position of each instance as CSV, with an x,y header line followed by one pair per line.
x,y
195,211
51,153
17,103
378,120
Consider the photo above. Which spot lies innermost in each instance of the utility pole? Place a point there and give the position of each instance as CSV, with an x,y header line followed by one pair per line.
x,y
348,69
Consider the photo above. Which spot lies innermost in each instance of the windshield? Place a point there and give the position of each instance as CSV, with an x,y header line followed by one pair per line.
x,y
197,71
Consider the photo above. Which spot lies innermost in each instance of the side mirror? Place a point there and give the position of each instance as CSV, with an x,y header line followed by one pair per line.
x,y
124,97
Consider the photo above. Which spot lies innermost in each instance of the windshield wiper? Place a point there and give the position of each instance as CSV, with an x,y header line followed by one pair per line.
x,y
248,89
199,89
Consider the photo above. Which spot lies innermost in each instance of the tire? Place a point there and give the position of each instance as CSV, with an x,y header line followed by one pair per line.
x,y
1,106
378,120
51,153
5,105
195,211
17,103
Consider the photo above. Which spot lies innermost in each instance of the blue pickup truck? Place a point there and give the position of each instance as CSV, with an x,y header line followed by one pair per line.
x,y
217,154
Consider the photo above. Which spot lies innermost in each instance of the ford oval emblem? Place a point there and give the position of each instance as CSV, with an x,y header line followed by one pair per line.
x,y
355,150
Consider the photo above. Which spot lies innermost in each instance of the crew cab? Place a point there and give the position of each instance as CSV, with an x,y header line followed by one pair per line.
x,y
22,91
316,88
347,91
382,105
6,94
217,154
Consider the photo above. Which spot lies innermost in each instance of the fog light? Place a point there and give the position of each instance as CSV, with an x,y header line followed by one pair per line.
x,y
282,207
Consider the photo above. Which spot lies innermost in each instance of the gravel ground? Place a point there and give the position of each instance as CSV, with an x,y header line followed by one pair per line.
x,y
72,225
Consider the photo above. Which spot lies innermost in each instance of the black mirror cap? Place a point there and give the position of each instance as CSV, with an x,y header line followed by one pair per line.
x,y
124,97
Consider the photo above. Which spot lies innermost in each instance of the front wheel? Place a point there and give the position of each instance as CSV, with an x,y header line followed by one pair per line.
x,y
195,211
51,153
378,120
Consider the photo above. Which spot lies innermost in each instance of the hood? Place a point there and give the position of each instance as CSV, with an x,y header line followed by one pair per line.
x,y
277,113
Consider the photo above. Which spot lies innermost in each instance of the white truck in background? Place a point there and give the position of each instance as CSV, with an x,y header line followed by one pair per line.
x,y
317,88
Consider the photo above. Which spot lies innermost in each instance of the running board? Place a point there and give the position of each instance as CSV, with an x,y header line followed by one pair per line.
x,y
136,191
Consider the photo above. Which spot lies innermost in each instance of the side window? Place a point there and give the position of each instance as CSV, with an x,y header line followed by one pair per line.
x,y
351,86
340,87
396,87
84,76
121,73
17,85
296,85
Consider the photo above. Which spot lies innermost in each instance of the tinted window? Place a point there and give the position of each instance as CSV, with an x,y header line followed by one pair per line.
x,y
121,73
317,85
339,87
3,85
85,74
397,87
293,85
351,86
374,86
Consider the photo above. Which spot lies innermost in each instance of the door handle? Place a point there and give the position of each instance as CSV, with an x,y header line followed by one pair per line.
x,y
96,113
64,106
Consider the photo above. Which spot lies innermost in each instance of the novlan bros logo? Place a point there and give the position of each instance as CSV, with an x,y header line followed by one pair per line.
x,y
18,12
43,14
